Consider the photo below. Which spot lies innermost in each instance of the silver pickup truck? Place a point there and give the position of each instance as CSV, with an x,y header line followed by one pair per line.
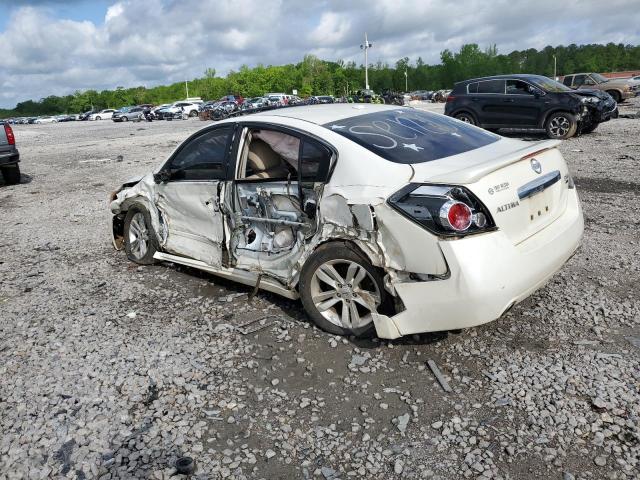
x,y
9,156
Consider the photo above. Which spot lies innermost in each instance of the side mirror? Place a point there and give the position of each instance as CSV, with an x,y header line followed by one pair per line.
x,y
163,176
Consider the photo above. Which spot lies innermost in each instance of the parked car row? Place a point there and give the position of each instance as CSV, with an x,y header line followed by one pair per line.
x,y
429,95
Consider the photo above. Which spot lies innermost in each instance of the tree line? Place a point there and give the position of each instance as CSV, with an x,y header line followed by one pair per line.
x,y
313,76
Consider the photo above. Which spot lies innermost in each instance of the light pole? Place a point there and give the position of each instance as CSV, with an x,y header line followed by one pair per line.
x,y
186,87
366,46
555,76
406,81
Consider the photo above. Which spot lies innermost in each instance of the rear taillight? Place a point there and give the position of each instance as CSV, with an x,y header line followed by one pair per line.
x,y
445,210
456,216
450,98
9,133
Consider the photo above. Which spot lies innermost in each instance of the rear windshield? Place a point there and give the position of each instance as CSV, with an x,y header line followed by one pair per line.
x,y
406,135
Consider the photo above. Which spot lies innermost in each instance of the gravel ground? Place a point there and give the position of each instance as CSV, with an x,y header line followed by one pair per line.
x,y
110,370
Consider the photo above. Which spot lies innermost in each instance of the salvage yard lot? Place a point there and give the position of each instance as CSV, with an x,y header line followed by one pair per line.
x,y
110,370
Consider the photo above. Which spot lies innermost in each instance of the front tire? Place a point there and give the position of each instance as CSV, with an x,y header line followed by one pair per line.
x,y
340,290
466,118
125,119
11,174
139,236
98,118
561,125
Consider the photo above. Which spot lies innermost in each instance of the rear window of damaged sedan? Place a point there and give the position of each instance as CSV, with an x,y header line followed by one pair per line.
x,y
411,136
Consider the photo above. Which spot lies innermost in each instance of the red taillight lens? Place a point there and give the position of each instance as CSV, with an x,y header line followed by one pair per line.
x,y
450,98
9,132
456,215
446,210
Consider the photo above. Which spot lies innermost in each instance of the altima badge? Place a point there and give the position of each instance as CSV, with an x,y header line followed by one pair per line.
x,y
535,165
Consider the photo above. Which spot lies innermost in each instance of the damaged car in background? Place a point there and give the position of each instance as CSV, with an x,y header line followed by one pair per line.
x,y
529,102
378,218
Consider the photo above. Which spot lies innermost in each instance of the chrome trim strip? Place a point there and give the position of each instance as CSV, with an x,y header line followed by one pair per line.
x,y
538,185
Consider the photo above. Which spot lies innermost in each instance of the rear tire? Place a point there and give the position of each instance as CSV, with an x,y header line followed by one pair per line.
x,y
339,289
11,174
466,118
561,125
139,236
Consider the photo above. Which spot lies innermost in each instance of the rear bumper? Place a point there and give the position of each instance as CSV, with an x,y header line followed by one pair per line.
x,y
488,275
9,157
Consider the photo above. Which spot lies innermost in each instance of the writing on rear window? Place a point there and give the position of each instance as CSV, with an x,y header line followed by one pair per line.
x,y
406,135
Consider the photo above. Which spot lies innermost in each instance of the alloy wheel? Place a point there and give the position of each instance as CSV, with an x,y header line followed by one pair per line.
x,y
345,293
559,126
465,118
138,236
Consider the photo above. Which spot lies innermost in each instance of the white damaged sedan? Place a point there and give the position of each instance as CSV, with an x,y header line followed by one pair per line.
x,y
376,217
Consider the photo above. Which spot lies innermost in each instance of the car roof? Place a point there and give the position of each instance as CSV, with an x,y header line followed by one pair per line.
x,y
522,76
321,114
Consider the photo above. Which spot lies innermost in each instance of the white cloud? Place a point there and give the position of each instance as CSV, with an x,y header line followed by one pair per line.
x,y
332,29
160,41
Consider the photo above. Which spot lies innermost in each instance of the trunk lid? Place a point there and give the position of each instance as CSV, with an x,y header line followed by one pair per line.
x,y
524,188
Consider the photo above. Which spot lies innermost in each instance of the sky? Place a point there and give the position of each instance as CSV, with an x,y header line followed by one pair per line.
x,y
55,47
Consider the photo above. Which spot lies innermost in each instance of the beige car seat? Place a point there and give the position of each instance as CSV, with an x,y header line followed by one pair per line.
x,y
264,162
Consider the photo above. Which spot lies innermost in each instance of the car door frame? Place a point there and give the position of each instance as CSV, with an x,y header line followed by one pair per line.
x,y
208,244
234,163
494,101
535,102
289,130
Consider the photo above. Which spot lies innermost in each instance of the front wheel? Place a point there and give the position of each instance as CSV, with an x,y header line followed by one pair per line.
x,y
125,119
11,174
139,237
340,290
561,125
466,118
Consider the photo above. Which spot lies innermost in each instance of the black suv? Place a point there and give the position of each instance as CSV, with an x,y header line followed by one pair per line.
x,y
9,156
529,102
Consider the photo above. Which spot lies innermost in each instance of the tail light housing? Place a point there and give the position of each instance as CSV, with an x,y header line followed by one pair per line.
x,y
450,98
445,210
9,133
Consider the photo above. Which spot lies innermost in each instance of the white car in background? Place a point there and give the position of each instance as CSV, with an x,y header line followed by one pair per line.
x,y
187,109
46,120
279,99
377,217
105,114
